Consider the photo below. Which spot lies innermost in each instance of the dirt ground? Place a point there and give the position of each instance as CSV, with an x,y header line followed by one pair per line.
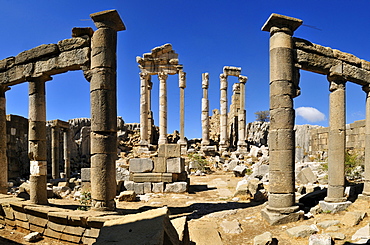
x,y
213,194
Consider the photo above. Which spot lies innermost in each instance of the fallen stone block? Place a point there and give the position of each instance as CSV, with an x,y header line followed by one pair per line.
x,y
149,227
160,165
327,223
240,170
306,176
198,229
127,196
320,239
353,218
33,237
263,239
140,165
231,227
302,231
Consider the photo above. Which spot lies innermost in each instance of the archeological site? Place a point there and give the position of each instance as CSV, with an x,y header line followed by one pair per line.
x,y
100,180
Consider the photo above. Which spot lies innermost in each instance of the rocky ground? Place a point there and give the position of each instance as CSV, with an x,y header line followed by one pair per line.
x,y
214,214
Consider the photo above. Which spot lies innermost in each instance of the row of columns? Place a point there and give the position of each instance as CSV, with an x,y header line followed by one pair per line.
x,y
283,88
224,137
145,111
55,151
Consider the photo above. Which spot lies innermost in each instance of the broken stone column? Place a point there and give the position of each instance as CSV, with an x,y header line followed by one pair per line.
x,y
223,113
67,153
205,110
182,86
55,139
37,140
366,190
281,206
242,145
103,101
337,140
144,111
3,143
162,76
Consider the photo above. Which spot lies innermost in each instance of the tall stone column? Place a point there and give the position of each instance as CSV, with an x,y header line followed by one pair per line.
x,y
366,190
337,140
103,104
205,110
162,108
3,143
182,85
55,140
144,111
223,113
66,153
150,113
37,140
242,145
281,206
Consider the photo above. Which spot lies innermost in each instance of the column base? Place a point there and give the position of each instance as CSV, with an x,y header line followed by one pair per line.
x,y
99,205
334,207
276,218
335,199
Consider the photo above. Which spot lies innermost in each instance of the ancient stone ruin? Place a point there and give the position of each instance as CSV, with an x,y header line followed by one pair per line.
x,y
115,161
287,56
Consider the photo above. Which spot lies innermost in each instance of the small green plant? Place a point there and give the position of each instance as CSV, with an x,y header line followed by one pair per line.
x,y
199,162
248,171
352,161
85,201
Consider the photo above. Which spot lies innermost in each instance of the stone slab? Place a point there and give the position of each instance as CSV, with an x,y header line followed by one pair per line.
x,y
334,207
153,226
278,219
175,165
152,177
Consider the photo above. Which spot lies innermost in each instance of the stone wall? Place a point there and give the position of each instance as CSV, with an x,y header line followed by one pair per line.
x,y
17,146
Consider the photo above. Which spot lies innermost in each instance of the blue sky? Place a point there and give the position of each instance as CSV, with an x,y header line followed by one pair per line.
x,y
207,35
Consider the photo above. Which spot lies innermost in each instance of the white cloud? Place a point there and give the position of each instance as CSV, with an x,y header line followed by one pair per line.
x,y
310,114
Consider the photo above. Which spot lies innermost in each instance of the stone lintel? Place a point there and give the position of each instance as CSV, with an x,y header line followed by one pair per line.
x,y
232,71
59,123
281,21
108,18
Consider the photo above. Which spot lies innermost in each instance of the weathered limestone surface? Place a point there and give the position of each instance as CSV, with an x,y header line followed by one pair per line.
x,y
337,137
152,226
281,136
205,110
3,143
104,108
324,60
366,190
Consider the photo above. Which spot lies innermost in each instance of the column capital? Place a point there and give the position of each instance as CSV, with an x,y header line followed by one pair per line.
x,y
223,81
205,80
336,82
182,79
108,19
144,75
281,23
162,75
242,79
